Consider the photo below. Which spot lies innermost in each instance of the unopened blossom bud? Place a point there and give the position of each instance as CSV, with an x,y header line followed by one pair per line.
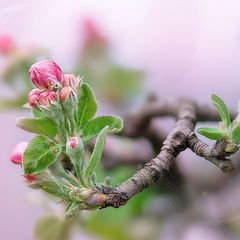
x,y
70,79
30,178
45,75
65,92
46,98
17,153
73,142
7,44
33,97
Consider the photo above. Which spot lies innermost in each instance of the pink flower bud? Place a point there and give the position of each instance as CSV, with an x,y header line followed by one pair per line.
x,y
17,153
6,43
73,141
44,75
70,79
33,96
47,97
30,178
65,92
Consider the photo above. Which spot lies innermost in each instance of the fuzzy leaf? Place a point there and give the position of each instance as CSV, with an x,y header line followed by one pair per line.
x,y
43,126
87,105
37,113
235,134
212,133
94,126
222,109
96,155
40,153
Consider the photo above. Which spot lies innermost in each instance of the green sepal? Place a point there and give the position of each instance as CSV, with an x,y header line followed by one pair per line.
x,y
43,126
76,156
41,152
212,133
222,109
93,127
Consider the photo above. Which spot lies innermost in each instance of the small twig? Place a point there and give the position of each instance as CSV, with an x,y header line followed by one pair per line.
x,y
216,154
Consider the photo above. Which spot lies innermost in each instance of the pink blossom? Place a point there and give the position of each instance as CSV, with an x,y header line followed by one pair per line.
x,y
70,79
47,97
44,75
30,177
17,153
7,44
33,96
73,142
65,92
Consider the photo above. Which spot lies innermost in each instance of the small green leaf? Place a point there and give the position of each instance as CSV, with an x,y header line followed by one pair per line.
x,y
222,109
96,155
36,113
43,126
87,105
57,188
235,134
93,127
40,153
212,133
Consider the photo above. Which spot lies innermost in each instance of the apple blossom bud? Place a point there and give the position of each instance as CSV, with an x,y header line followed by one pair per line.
x,y
45,75
30,178
33,96
73,142
46,98
17,153
6,43
70,79
65,92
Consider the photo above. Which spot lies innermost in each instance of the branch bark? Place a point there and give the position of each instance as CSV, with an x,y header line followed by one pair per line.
x,y
179,138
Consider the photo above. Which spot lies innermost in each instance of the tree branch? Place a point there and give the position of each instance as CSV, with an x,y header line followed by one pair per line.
x,y
216,154
175,143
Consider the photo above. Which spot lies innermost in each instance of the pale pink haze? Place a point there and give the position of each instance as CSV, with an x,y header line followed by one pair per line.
x,y
70,79
44,75
73,142
33,97
17,153
7,43
46,98
65,92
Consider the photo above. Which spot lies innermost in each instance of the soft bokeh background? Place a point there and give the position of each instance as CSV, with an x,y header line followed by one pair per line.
x,y
185,48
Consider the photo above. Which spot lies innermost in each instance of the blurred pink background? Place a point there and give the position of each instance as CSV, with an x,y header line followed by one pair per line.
x,y
187,48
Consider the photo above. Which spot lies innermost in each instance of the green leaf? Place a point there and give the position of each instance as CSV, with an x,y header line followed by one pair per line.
x,y
36,113
40,153
212,133
87,105
96,155
222,109
43,126
235,134
93,127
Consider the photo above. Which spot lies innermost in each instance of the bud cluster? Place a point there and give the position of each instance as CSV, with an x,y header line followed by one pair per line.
x,y
56,93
